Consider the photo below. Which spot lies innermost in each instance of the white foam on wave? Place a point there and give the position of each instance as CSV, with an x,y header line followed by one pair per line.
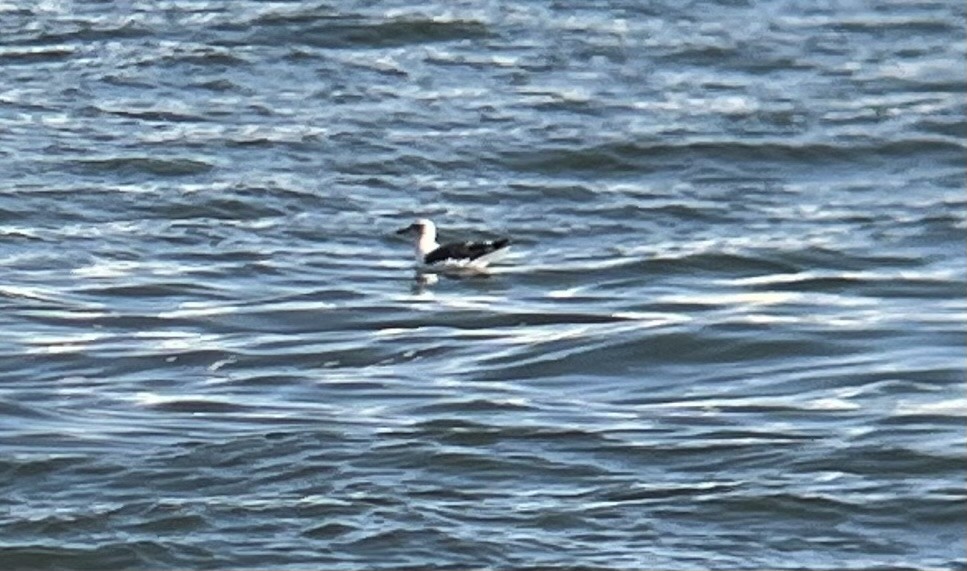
x,y
30,292
178,341
101,269
792,402
198,309
950,407
60,344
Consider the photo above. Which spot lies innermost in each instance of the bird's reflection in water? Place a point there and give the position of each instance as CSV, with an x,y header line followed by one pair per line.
x,y
425,278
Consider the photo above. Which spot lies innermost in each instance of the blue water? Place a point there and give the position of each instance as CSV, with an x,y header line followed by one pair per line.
x,y
731,332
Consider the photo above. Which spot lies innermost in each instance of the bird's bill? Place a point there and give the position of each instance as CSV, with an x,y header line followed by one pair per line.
x,y
408,229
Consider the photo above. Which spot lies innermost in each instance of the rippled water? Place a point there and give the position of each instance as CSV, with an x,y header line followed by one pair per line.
x,y
732,334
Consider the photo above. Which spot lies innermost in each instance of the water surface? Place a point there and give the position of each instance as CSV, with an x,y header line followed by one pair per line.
x,y
731,335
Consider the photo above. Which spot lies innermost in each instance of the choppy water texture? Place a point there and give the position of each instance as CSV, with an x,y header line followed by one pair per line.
x,y
732,334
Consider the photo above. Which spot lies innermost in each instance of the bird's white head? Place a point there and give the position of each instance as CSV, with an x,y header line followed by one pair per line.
x,y
425,232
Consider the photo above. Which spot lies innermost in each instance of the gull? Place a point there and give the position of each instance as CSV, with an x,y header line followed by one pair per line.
x,y
459,254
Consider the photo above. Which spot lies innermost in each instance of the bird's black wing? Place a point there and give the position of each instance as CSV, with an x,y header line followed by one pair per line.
x,y
464,250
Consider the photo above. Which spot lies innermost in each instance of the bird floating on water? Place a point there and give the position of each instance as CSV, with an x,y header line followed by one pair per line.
x,y
466,254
